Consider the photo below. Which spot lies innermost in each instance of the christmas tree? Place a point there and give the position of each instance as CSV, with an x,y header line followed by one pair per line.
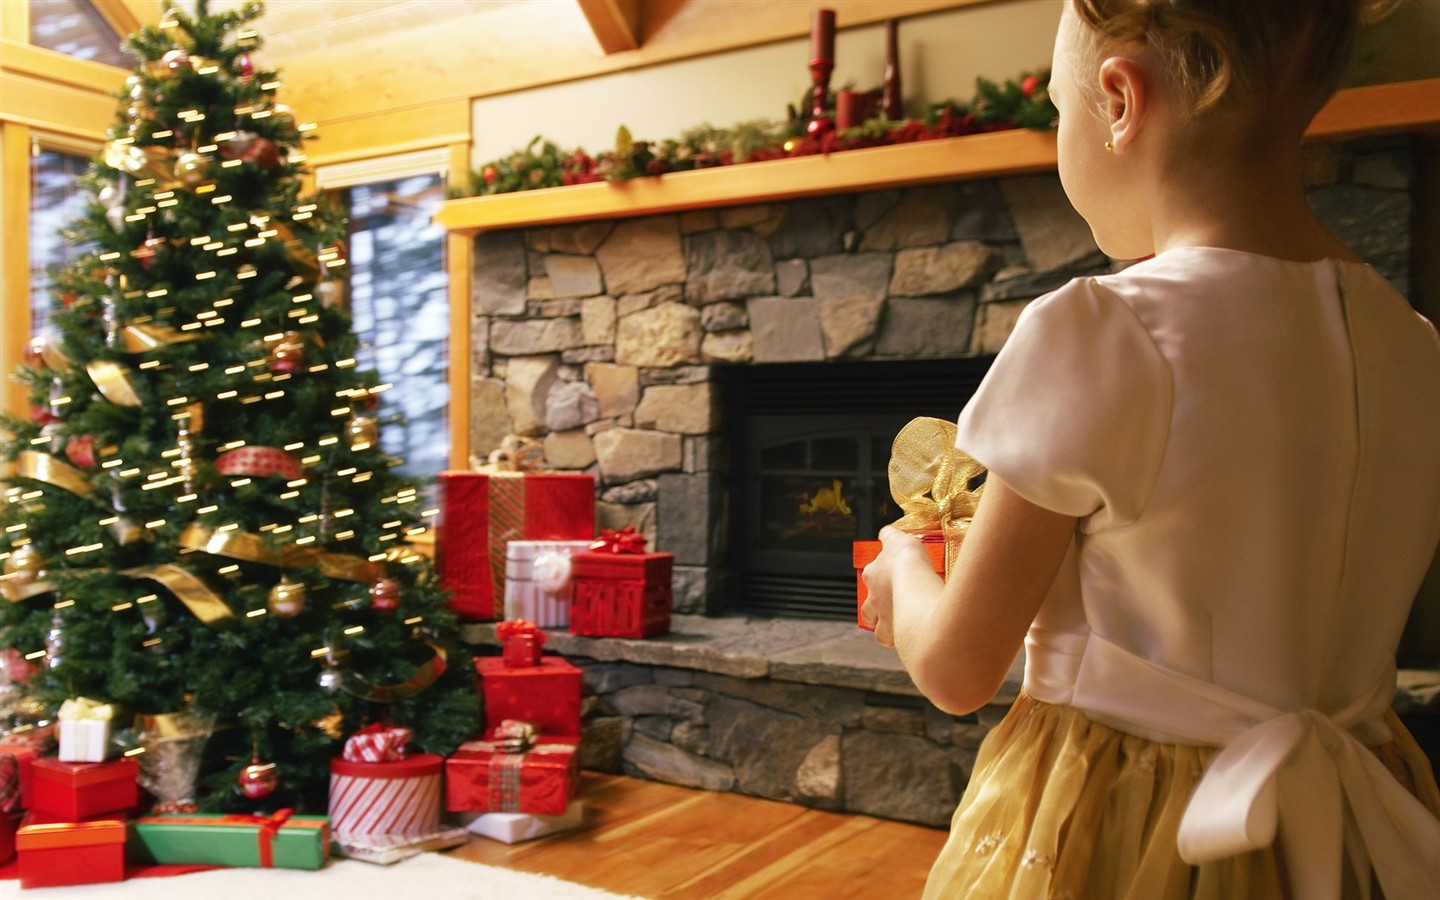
x,y
199,518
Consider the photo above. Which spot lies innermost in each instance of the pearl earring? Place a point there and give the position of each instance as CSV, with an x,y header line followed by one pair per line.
x,y
1109,146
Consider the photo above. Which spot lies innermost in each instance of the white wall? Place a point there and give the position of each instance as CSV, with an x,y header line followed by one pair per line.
x,y
941,54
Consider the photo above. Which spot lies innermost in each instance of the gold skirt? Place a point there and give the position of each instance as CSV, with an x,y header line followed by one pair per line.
x,y
1062,808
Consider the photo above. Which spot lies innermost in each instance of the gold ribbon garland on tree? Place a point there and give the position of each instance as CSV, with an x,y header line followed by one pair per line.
x,y
254,548
427,674
930,480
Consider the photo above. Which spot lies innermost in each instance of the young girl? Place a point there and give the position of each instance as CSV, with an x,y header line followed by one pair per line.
x,y
1212,496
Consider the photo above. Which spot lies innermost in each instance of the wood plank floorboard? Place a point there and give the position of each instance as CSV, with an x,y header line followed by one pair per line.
x,y
665,842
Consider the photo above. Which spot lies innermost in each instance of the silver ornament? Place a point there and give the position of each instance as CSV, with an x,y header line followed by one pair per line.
x,y
329,680
55,643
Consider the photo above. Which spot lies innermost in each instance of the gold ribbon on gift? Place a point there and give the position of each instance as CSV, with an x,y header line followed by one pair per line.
x,y
428,673
78,709
249,547
189,589
113,380
930,480
140,338
47,469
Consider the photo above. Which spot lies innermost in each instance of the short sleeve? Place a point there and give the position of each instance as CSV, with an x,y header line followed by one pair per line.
x,y
1074,413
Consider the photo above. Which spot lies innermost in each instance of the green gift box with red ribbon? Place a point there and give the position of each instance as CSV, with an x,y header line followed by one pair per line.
x,y
280,840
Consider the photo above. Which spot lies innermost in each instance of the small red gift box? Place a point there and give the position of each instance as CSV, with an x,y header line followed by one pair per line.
x,y
75,791
71,853
481,511
482,777
866,551
545,695
399,797
621,594
520,643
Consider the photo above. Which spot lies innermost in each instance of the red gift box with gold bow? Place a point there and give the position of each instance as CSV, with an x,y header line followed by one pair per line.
x,y
547,695
512,774
620,590
480,512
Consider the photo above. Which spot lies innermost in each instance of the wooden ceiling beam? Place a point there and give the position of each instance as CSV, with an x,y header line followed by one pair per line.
x,y
126,16
616,23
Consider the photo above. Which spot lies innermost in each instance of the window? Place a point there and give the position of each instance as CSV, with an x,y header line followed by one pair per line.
x,y
75,28
55,201
400,302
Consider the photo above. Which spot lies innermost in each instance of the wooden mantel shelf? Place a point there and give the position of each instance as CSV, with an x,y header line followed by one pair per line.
x,y
1380,109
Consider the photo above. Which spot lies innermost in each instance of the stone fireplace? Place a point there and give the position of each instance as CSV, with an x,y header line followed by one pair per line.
x,y
648,351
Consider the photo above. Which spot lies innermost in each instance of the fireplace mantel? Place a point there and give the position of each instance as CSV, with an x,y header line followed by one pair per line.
x,y
1379,109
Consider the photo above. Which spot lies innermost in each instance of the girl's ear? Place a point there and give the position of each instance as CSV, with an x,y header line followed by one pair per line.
x,y
1126,93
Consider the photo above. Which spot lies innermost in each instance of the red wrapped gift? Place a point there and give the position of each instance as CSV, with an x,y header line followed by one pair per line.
x,y
487,776
23,751
8,823
520,643
400,797
546,695
71,853
621,594
866,551
481,511
75,791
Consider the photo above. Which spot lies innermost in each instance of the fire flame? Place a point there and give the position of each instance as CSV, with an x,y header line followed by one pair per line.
x,y
827,500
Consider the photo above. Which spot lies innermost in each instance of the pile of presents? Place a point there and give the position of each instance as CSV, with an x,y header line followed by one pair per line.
x,y
75,816
515,545
516,548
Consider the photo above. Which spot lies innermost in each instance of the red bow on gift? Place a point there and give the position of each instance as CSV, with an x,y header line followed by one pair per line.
x,y
519,629
626,540
377,743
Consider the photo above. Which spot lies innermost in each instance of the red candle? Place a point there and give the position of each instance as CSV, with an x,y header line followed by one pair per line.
x,y
822,34
849,106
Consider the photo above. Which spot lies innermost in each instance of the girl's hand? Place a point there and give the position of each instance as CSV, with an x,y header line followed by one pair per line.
x,y
897,550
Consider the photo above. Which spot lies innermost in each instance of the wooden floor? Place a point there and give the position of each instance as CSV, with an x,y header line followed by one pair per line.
x,y
660,841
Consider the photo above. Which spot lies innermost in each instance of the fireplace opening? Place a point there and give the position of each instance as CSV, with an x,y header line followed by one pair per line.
x,y
810,444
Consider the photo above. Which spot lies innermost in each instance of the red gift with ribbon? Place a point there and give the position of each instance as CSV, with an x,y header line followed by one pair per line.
x,y
520,643
619,589
280,840
546,695
480,512
512,774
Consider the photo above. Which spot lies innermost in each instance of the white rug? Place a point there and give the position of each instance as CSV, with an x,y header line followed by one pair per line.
x,y
428,876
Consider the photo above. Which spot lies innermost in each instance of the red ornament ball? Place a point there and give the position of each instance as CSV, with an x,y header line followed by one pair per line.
x,y
263,152
175,59
288,353
489,173
1028,86
385,594
80,450
257,780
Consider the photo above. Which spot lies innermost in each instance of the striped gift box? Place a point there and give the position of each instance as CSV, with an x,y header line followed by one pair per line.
x,y
400,797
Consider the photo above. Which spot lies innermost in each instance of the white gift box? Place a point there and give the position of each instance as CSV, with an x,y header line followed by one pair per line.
x,y
83,727
537,581
512,828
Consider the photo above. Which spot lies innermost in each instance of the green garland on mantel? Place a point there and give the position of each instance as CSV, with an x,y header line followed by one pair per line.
x,y
1022,102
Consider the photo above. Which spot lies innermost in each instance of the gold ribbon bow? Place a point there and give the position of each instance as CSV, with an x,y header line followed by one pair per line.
x,y
81,708
930,480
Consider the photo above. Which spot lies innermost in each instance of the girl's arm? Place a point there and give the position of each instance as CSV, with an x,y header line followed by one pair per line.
x,y
959,638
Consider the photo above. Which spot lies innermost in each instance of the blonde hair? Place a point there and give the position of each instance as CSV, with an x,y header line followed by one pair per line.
x,y
1286,55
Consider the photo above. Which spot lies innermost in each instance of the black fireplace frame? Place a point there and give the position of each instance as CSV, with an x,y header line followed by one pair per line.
x,y
775,403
